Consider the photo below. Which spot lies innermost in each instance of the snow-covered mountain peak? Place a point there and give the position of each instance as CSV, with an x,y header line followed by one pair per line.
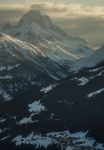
x,y
47,21
30,17
35,17
53,41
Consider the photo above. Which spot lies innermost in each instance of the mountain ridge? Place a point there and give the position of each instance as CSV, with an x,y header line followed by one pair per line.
x,y
39,30
23,65
90,61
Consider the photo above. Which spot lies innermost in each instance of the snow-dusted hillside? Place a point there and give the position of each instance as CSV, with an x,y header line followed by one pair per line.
x,y
90,61
54,42
68,115
38,52
22,65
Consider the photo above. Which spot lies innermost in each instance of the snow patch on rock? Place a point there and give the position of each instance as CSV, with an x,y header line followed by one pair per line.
x,y
83,81
36,140
65,139
26,120
6,77
5,95
36,107
48,88
95,93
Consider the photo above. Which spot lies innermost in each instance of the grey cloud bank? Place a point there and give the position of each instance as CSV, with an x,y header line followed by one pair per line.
x,y
78,20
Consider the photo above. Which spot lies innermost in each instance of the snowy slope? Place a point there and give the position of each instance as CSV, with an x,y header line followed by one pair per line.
x,y
54,42
90,61
22,65
12,47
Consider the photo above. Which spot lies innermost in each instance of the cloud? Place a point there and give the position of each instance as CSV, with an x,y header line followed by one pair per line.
x,y
10,14
56,10
91,29
69,10
77,19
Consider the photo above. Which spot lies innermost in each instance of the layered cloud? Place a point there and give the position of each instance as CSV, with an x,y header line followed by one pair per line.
x,y
57,10
70,10
76,18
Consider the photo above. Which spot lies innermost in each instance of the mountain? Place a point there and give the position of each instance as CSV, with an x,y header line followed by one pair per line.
x,y
35,53
24,66
39,30
66,115
80,101
43,105
90,61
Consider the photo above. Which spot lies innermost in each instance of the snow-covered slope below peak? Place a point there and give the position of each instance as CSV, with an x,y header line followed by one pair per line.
x,y
14,49
90,61
39,30
25,48
24,66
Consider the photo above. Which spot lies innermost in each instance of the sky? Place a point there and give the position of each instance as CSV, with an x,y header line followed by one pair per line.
x,y
84,18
